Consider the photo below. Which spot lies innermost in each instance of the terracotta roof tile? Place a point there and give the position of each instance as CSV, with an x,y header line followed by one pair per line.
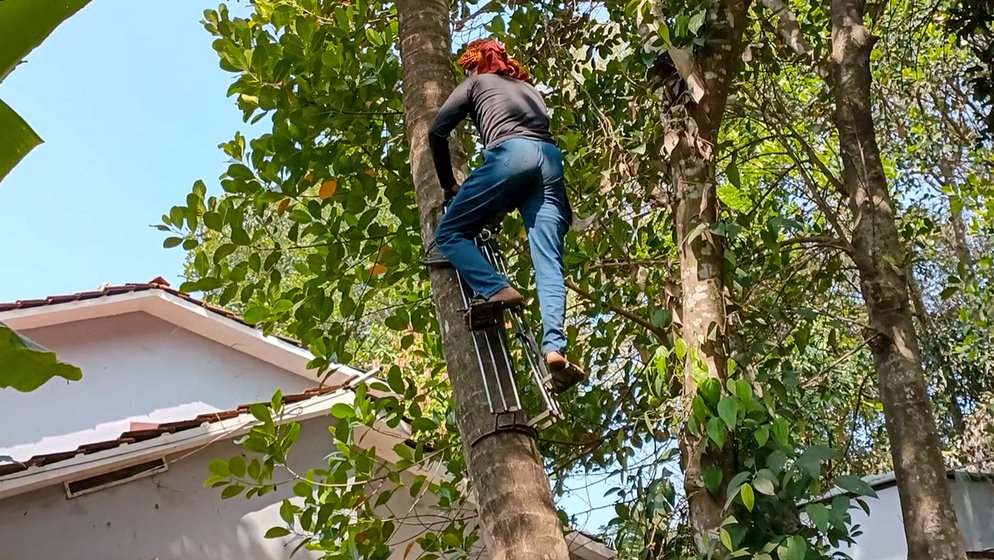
x,y
158,431
157,283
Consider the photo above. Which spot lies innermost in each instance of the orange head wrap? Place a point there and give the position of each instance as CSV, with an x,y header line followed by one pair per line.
x,y
489,57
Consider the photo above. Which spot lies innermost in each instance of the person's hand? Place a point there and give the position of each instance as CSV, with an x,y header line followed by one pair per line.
x,y
450,192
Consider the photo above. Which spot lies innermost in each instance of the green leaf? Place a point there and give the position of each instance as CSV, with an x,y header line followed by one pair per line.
x,y
219,467
27,365
404,451
18,139
813,457
710,390
276,532
373,36
737,480
24,24
237,466
855,485
286,512
712,476
748,497
261,412
762,435
302,489
696,21
732,174
781,432
728,410
343,411
764,486
395,380
743,390
733,198
793,548
256,444
726,539
231,491
424,424
716,431
818,514
256,314
170,242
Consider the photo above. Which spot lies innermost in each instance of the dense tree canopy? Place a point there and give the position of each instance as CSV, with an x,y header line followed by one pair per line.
x,y
314,232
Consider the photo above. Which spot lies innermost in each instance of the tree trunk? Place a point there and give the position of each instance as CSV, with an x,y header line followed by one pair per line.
x,y
929,519
959,240
702,258
516,510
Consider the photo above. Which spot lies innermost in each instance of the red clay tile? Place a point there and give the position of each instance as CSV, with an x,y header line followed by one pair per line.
x,y
11,468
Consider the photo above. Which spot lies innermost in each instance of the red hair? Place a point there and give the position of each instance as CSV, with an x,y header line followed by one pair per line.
x,y
489,57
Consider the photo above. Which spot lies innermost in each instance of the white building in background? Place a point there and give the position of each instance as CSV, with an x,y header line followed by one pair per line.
x,y
882,529
112,467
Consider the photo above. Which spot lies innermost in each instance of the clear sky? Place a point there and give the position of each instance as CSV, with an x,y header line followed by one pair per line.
x,y
130,101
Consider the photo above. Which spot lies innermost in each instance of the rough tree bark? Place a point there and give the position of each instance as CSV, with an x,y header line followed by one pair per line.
x,y
959,237
516,510
929,519
692,165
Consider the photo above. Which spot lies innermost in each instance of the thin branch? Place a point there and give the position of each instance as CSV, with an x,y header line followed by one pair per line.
x,y
660,333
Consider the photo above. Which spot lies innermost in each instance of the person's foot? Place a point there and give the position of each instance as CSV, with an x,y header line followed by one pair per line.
x,y
508,298
564,374
555,360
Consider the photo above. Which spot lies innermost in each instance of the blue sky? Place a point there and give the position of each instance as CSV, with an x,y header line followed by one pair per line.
x,y
130,101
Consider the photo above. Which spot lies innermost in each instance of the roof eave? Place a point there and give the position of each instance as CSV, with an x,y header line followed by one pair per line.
x,y
184,314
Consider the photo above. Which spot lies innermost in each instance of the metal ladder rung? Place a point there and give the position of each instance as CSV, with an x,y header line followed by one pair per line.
x,y
491,345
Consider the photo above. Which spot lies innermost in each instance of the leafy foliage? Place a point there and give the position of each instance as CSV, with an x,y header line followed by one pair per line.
x,y
315,235
24,24
27,365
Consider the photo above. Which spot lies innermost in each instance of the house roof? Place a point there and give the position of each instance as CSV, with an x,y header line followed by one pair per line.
x,y
157,283
148,431
158,299
142,440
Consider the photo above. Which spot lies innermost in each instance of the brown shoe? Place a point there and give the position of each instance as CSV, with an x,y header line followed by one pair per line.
x,y
564,374
508,298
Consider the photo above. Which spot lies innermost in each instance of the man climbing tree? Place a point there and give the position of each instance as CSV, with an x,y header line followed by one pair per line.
x,y
522,169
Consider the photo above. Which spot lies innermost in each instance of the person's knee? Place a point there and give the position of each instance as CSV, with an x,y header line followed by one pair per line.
x,y
445,236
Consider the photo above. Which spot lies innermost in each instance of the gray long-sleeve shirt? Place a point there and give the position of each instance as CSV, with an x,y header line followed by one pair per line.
x,y
501,108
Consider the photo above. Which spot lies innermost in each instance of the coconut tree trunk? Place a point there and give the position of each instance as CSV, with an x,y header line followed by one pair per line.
x,y
516,510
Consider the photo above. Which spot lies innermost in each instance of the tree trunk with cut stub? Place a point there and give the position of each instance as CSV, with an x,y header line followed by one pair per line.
x,y
695,209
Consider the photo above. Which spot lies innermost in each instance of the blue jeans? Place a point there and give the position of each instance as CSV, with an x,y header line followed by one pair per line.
x,y
528,175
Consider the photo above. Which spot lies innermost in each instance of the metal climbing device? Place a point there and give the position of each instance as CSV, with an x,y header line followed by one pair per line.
x,y
501,343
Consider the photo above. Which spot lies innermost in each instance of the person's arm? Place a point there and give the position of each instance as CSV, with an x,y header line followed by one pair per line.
x,y
453,111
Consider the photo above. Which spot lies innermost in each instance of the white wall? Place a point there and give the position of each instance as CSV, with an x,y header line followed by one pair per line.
x,y
883,530
167,516
136,367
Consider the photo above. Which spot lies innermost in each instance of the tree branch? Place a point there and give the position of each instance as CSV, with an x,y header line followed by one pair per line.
x,y
790,31
660,333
